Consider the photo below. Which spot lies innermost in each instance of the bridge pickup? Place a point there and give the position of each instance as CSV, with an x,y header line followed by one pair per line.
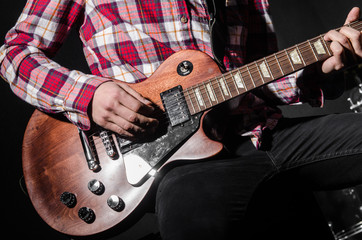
x,y
108,144
175,105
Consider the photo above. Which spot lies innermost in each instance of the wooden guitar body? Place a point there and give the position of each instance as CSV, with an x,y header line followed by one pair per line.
x,y
75,200
54,161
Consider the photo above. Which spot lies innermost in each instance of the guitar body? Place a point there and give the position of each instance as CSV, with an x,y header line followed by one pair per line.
x,y
80,187
54,160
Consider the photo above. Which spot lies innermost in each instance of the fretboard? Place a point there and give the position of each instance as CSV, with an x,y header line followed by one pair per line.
x,y
239,81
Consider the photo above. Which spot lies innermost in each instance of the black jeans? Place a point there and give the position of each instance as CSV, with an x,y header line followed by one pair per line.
x,y
209,199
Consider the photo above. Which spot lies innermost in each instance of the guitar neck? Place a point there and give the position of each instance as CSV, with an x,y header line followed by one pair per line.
x,y
253,75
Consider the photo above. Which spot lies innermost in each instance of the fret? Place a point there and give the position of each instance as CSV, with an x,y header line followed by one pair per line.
x,y
247,78
220,90
189,102
205,95
212,94
234,81
257,78
199,98
195,99
261,76
314,53
242,79
301,57
225,88
264,70
273,66
290,61
319,48
307,53
321,38
295,58
233,89
214,91
238,81
280,67
228,85
285,62
357,25
251,76
270,71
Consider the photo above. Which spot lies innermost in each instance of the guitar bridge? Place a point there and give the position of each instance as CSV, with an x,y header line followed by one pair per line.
x,y
175,105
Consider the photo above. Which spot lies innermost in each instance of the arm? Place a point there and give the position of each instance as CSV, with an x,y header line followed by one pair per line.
x,y
291,89
34,77
305,86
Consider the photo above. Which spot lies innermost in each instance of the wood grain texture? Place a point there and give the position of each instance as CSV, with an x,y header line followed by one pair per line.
x,y
54,162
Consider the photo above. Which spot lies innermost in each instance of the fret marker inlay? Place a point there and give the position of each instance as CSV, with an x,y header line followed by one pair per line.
x,y
223,87
199,97
211,93
295,57
228,85
238,80
319,47
264,70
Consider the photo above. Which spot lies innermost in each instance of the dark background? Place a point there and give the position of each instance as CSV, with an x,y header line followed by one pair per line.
x,y
295,21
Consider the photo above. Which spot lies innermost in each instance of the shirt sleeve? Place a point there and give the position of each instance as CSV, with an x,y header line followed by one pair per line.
x,y
27,66
292,89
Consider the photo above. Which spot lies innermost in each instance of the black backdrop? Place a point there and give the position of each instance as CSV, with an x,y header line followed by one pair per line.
x,y
295,21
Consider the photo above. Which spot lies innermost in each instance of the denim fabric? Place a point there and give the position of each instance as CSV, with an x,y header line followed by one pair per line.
x,y
209,199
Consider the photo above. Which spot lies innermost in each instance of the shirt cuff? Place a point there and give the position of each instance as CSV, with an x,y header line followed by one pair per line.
x,y
310,89
79,97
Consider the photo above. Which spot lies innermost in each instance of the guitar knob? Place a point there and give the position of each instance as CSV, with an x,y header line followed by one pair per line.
x,y
68,199
116,203
86,214
96,187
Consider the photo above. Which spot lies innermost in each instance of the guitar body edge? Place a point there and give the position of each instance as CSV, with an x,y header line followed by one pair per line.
x,y
54,160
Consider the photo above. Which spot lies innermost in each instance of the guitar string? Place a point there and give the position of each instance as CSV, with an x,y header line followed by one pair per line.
x,y
272,65
303,48
253,75
251,69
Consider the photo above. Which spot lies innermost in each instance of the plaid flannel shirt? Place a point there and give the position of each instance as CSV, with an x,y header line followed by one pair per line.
x,y
127,40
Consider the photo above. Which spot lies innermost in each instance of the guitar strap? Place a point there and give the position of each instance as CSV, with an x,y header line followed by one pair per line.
x,y
218,32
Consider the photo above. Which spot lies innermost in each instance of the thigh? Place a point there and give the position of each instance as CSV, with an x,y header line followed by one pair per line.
x,y
325,152
301,141
208,200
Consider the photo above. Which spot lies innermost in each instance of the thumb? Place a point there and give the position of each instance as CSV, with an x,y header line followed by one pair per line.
x,y
353,15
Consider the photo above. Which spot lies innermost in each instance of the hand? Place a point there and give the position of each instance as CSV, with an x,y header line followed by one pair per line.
x,y
346,43
117,107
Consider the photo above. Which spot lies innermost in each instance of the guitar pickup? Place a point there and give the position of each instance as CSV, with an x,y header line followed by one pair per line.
x,y
108,144
175,105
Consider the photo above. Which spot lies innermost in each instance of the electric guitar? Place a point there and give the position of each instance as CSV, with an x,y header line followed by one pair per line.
x,y
84,183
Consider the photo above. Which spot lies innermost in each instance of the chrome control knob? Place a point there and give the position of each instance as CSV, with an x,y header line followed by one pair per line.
x,y
116,203
96,187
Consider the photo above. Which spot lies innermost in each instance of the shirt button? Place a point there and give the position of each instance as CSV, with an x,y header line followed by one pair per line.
x,y
184,19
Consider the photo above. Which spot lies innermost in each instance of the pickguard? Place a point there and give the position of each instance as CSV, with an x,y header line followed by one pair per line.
x,y
143,159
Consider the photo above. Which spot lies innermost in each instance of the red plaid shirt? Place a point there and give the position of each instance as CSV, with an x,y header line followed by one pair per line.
x,y
128,40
